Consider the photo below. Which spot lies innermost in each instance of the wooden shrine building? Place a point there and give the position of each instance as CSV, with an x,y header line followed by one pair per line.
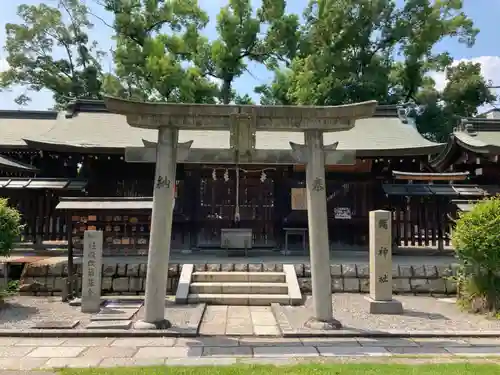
x,y
81,153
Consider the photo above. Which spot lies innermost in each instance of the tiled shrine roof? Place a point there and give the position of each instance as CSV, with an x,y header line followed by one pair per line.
x,y
88,126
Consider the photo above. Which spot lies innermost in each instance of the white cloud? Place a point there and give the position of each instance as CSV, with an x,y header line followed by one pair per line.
x,y
490,67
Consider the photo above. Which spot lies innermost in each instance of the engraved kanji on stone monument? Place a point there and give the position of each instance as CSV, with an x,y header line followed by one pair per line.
x,y
92,265
162,182
318,184
380,298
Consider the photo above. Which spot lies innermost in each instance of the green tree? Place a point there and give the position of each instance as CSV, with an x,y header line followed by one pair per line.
x,y
156,42
349,51
10,227
465,91
477,245
44,51
239,40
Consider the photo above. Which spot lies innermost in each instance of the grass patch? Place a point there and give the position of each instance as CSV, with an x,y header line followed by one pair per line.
x,y
305,369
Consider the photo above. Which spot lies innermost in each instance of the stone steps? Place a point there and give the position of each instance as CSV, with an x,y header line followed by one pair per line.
x,y
238,288
222,276
239,299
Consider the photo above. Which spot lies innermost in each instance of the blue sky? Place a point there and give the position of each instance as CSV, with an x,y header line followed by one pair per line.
x,y
485,14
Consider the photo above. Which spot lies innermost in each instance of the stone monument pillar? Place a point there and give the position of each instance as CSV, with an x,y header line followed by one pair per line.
x,y
161,230
380,298
92,269
313,155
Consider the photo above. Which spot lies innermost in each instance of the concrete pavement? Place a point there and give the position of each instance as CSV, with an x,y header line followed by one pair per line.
x,y
50,353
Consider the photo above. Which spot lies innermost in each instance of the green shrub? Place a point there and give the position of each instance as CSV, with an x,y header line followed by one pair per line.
x,y
10,227
476,239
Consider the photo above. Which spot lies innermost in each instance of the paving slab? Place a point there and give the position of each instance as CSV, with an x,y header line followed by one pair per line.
x,y
483,341
474,351
211,329
418,350
227,351
269,330
56,352
285,351
79,362
114,314
109,352
330,341
202,361
88,341
207,341
269,361
386,341
440,342
39,341
56,324
15,351
346,351
168,352
124,362
110,324
129,342
9,341
185,319
22,364
268,341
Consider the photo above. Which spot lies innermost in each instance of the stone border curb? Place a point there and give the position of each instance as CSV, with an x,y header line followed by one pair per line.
x,y
287,331
191,333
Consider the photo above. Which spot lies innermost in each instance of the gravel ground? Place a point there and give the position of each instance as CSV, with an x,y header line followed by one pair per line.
x,y
421,314
23,312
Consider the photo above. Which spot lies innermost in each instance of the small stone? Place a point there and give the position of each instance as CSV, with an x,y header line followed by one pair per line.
x,y
136,284
349,270
120,284
121,269
323,325
75,302
114,314
143,326
336,270
108,270
337,285
133,270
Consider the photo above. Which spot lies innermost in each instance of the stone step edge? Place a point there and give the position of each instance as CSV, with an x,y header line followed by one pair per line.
x,y
240,284
235,299
232,288
239,273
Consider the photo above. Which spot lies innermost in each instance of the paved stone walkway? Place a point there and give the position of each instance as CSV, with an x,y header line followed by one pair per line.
x,y
239,320
50,353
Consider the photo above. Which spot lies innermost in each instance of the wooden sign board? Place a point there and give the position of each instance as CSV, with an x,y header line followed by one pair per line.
x,y
299,199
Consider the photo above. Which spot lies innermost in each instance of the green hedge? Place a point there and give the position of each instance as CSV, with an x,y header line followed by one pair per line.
x,y
476,239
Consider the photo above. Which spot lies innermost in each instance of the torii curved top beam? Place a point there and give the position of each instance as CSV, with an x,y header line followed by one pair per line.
x,y
222,117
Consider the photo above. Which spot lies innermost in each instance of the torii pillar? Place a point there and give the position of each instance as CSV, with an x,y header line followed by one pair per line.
x,y
313,154
161,228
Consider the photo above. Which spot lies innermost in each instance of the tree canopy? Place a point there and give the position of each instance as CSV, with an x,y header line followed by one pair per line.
x,y
336,52
50,49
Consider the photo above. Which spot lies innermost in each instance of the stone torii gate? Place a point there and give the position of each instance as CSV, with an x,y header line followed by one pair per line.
x,y
242,121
